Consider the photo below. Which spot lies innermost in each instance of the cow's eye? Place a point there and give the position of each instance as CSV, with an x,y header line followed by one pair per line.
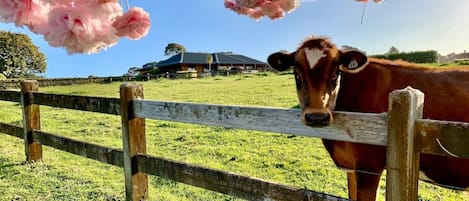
x,y
297,80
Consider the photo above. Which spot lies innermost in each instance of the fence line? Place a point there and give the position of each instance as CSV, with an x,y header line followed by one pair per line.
x,y
351,127
13,130
88,150
227,182
443,137
84,103
374,129
9,95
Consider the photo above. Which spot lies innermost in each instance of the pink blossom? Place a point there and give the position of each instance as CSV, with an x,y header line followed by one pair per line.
x,y
80,26
256,9
272,10
134,24
78,2
251,3
23,12
79,31
239,9
257,14
109,8
288,5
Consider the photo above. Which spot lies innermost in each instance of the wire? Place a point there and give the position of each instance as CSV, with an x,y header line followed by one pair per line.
x,y
125,4
128,5
363,12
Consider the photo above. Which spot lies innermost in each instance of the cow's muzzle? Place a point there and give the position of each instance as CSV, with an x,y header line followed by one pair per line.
x,y
317,119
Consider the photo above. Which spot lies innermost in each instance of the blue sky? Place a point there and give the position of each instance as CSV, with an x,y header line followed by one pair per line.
x,y
206,26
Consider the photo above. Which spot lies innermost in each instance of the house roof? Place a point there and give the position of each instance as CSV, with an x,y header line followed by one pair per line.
x,y
230,58
221,58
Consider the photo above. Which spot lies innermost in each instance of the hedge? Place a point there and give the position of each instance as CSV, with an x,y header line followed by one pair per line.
x,y
430,56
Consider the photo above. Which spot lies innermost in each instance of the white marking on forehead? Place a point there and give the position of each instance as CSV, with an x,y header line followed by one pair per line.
x,y
313,56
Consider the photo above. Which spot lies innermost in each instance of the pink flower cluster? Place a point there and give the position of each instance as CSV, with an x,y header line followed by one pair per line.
x,y
274,9
80,26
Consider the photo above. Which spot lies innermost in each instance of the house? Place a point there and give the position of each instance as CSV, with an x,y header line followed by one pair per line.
x,y
197,64
453,57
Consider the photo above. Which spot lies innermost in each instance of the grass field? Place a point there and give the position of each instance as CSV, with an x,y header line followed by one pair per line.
x,y
297,161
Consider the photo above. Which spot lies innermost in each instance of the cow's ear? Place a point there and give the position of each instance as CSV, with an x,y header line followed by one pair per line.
x,y
281,61
352,61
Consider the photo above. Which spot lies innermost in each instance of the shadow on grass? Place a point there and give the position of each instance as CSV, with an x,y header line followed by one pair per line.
x,y
9,165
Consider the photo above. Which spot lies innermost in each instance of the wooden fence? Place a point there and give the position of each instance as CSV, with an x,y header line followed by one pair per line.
x,y
402,130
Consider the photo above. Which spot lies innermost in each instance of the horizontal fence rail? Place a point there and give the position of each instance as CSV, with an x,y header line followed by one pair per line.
x,y
84,103
12,130
444,137
350,127
8,95
88,150
226,182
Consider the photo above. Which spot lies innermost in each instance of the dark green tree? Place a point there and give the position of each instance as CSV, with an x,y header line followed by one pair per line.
x,y
393,50
173,48
19,57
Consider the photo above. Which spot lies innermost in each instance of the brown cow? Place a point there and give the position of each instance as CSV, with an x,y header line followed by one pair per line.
x,y
330,79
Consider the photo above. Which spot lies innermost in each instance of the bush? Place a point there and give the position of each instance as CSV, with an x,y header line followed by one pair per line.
x,y
462,63
2,77
430,56
154,71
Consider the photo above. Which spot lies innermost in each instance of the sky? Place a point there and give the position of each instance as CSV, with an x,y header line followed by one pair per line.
x,y
207,26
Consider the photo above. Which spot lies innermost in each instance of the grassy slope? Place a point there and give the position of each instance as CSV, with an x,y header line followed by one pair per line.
x,y
297,161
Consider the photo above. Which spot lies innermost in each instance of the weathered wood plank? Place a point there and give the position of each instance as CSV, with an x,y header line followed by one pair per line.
x,y
84,103
403,151
444,137
227,182
31,120
133,141
351,127
12,96
92,151
13,130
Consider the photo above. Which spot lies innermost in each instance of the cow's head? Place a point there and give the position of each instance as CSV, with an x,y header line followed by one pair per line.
x,y
318,65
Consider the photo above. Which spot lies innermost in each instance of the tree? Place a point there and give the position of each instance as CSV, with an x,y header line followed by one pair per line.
x,y
19,57
393,50
173,48
132,71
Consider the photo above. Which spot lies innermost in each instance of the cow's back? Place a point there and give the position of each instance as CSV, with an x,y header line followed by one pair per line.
x,y
446,98
446,89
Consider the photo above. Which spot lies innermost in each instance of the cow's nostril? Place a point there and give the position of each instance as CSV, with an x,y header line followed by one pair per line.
x,y
327,118
317,119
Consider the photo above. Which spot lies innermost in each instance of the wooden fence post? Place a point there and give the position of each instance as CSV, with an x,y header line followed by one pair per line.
x,y
31,120
133,136
405,106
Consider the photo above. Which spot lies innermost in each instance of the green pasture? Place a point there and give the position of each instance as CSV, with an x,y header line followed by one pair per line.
x,y
292,160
